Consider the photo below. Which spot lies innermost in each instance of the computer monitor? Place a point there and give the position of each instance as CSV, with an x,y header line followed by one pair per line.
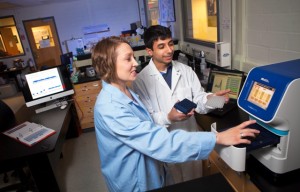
x,y
50,85
67,60
221,79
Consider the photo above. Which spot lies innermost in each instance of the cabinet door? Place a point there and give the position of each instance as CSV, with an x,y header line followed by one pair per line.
x,y
88,111
238,180
209,168
85,98
87,122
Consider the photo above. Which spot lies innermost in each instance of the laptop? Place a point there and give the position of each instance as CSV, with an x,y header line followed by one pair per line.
x,y
221,79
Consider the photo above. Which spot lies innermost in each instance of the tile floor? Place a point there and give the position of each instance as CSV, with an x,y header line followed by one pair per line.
x,y
79,169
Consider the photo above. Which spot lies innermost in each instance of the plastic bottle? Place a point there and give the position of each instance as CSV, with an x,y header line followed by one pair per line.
x,y
202,62
203,69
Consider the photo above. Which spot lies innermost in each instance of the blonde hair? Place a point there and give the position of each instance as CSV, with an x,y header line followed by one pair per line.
x,y
104,57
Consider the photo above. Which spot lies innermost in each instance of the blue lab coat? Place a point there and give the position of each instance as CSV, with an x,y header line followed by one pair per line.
x,y
132,146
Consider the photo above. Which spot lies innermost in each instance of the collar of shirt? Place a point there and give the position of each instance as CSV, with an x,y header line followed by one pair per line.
x,y
167,70
154,71
118,95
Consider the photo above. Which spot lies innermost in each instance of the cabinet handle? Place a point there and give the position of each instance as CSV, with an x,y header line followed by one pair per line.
x,y
96,85
208,164
91,110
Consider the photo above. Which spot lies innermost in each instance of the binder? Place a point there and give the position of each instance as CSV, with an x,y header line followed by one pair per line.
x,y
29,133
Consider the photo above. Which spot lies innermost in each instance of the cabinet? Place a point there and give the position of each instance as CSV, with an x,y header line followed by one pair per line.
x,y
238,180
85,97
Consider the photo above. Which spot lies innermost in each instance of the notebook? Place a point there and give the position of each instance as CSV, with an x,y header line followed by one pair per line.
x,y
221,79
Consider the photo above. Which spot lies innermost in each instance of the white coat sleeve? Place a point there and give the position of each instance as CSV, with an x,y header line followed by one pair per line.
x,y
199,95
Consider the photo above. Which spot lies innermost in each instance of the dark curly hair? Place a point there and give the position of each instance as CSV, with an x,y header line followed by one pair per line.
x,y
154,33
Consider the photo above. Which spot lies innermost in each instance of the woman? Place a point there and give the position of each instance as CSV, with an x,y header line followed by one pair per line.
x,y
130,144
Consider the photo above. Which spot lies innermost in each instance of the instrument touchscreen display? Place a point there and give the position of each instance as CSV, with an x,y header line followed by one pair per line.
x,y
261,95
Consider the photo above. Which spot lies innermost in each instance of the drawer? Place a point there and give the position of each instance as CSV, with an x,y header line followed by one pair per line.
x,y
86,119
84,111
86,100
88,111
87,125
87,122
87,88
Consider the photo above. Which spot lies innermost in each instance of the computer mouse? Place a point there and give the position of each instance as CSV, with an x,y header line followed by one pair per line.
x,y
63,106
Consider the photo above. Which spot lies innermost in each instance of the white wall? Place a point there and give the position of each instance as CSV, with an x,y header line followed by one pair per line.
x,y
262,31
268,31
71,17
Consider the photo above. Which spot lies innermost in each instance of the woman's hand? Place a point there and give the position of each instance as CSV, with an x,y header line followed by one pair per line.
x,y
237,134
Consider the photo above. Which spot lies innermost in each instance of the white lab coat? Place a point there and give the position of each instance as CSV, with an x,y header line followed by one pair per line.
x,y
159,100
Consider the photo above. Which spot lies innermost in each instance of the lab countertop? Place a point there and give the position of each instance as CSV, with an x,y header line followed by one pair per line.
x,y
261,177
86,79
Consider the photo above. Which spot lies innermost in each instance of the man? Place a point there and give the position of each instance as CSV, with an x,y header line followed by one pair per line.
x,y
161,84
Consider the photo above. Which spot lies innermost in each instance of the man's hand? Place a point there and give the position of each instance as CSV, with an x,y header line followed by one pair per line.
x,y
221,93
175,115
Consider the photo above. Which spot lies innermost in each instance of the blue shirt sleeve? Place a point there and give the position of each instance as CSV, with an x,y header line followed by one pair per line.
x,y
130,124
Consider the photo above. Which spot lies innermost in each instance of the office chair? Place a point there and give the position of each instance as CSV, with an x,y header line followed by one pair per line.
x,y
7,121
7,117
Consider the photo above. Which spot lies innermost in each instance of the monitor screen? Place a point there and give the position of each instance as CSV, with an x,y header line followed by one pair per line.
x,y
47,85
261,95
226,80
